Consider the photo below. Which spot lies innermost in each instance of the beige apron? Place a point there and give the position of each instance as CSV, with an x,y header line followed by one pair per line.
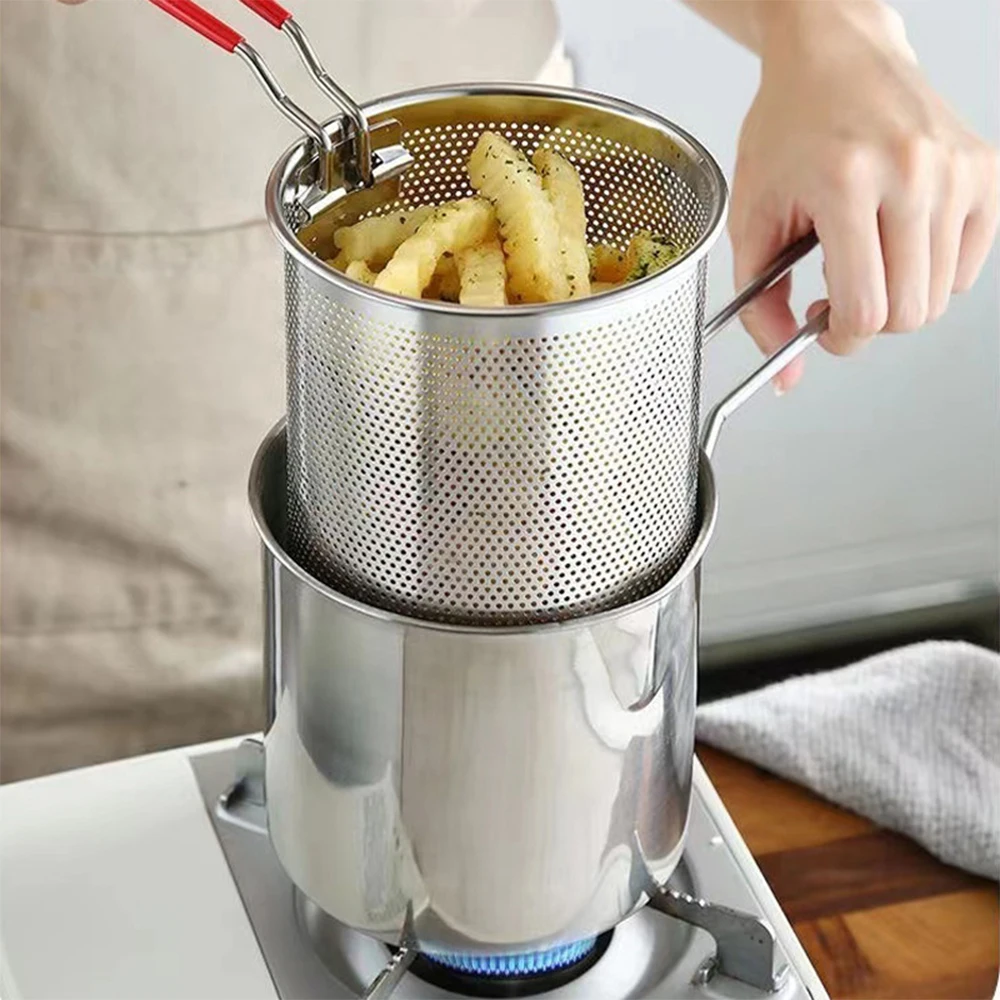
x,y
142,345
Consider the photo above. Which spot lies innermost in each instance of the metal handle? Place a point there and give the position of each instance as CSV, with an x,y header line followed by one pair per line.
x,y
291,111
805,338
774,271
358,167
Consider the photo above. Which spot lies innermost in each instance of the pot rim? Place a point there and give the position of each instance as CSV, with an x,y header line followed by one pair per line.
x,y
708,508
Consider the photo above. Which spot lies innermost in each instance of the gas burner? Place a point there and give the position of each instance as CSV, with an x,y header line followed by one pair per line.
x,y
523,975
749,951
193,904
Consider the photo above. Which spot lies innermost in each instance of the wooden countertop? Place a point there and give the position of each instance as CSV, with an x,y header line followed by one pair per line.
x,y
878,915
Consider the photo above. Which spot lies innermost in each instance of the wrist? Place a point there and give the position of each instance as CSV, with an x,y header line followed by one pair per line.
x,y
809,27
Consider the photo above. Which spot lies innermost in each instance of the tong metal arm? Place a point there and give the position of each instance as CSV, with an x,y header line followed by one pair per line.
x,y
357,161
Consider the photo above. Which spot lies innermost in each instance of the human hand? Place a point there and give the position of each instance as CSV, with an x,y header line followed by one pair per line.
x,y
847,137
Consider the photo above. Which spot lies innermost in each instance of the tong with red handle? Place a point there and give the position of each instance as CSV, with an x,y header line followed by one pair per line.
x,y
210,27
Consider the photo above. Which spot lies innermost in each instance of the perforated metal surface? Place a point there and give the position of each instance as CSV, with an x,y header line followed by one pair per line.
x,y
509,469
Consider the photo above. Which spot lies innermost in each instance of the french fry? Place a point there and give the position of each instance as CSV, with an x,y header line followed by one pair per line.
x,y
451,227
648,254
444,284
561,183
522,239
340,262
607,264
376,239
528,224
483,275
360,271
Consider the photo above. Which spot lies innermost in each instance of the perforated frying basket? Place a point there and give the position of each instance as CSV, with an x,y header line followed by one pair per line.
x,y
500,467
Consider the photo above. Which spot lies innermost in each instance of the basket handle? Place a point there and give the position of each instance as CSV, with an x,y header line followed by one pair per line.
x,y
359,166
210,27
804,339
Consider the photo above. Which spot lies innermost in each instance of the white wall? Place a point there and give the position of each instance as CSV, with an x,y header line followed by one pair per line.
x,y
877,480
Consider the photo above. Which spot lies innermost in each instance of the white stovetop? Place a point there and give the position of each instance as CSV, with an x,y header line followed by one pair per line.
x,y
127,846
114,885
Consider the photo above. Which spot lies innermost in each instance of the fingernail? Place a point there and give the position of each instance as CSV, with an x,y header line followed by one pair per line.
x,y
779,390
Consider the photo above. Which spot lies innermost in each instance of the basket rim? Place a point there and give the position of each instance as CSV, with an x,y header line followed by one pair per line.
x,y
291,160
708,512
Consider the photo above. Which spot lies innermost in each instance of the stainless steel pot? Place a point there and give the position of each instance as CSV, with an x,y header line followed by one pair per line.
x,y
493,780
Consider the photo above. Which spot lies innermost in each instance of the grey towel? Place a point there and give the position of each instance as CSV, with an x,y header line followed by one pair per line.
x,y
909,739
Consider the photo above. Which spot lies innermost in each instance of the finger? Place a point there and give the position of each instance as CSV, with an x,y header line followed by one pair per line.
x,y
816,308
771,323
769,318
980,226
947,223
977,238
906,250
792,374
855,273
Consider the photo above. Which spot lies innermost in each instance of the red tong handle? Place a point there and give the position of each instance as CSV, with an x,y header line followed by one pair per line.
x,y
200,20
272,12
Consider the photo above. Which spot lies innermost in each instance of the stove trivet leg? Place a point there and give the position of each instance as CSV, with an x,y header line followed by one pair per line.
x,y
243,803
745,944
385,983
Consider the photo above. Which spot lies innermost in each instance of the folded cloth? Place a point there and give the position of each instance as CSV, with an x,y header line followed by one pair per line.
x,y
909,738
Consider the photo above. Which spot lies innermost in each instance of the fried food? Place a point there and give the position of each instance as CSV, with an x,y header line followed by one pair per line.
x,y
360,271
444,284
561,183
482,274
449,228
648,254
608,264
522,238
528,225
376,239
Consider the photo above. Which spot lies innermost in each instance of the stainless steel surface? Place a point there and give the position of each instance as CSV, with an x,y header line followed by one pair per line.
x,y
720,413
358,166
325,935
651,955
513,466
384,984
353,160
299,118
244,802
494,778
390,159
502,466
776,270
745,945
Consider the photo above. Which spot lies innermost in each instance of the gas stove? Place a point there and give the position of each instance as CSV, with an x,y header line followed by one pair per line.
x,y
142,879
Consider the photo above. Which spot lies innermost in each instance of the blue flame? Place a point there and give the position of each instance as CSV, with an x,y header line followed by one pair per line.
x,y
527,963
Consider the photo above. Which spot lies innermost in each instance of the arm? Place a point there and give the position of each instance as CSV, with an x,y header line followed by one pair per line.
x,y
753,22
846,136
